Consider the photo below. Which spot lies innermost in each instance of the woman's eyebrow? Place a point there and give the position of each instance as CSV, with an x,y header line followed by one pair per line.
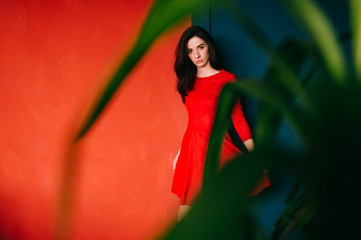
x,y
196,47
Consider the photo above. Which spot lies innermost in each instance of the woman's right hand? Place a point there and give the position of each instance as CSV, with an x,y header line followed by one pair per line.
x,y
175,160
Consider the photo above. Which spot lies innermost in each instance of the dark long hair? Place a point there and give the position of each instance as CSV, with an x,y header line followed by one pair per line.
x,y
184,68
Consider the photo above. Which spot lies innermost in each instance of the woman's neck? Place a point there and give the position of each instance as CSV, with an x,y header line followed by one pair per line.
x,y
206,71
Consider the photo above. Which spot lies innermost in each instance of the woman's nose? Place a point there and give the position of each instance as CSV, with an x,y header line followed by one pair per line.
x,y
196,54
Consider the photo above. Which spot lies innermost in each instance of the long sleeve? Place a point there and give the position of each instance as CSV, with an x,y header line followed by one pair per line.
x,y
240,123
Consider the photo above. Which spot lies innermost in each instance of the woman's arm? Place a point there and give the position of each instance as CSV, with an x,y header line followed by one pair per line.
x,y
241,127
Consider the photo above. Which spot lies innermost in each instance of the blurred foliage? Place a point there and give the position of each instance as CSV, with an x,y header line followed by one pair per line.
x,y
321,106
355,6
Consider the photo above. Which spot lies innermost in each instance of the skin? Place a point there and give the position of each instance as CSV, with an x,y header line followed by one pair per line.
x,y
198,53
249,144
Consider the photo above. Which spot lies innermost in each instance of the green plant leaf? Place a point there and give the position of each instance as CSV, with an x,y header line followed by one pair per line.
x,y
163,15
225,105
293,52
280,65
315,21
299,119
221,211
355,10
305,216
297,183
289,214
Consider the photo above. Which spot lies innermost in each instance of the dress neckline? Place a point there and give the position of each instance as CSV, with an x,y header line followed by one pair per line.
x,y
221,71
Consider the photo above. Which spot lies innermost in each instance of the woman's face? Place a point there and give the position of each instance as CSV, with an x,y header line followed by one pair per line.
x,y
198,53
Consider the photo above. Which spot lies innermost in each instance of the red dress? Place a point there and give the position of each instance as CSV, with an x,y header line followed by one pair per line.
x,y
201,106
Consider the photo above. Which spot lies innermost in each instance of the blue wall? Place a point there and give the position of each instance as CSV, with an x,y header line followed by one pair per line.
x,y
243,58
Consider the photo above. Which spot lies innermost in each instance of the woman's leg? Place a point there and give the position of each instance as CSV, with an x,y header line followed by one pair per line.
x,y
182,211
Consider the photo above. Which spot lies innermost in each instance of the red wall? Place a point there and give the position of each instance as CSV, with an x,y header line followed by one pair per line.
x,y
53,56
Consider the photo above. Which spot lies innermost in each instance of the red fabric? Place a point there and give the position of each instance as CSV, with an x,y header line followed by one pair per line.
x,y
201,106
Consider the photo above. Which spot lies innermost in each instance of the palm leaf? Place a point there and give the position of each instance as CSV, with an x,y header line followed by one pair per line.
x,y
280,65
355,10
315,21
221,211
163,15
290,214
303,219
298,117
293,52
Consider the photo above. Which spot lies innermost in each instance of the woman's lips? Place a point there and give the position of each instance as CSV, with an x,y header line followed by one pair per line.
x,y
199,61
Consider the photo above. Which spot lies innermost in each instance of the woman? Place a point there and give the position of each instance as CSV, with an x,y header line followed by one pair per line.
x,y
200,79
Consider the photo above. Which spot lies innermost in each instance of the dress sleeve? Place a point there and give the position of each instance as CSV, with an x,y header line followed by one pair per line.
x,y
240,122
238,119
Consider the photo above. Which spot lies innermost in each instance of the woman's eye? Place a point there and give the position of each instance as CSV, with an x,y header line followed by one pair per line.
x,y
189,52
201,47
